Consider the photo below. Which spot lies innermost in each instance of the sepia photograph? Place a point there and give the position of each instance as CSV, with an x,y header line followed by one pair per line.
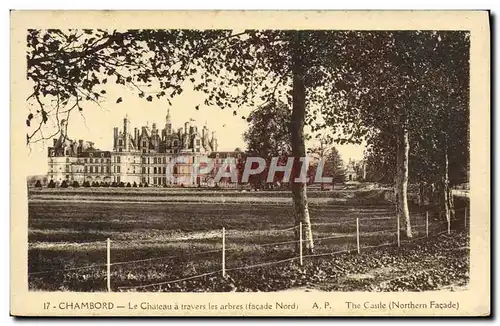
x,y
247,159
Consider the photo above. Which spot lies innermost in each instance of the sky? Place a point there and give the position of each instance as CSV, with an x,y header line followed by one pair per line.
x,y
96,122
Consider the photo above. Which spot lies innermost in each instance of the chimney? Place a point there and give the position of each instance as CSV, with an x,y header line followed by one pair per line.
x,y
136,137
115,136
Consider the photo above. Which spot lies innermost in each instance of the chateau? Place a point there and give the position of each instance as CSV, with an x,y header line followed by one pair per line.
x,y
140,155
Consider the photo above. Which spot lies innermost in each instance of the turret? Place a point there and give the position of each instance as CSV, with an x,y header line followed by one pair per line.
x,y
168,124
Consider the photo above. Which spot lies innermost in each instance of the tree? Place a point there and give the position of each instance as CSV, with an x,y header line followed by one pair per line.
x,y
417,79
134,185
64,184
75,184
268,136
38,184
333,165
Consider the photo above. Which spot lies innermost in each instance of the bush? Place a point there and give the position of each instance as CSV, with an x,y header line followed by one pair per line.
x,y
122,184
114,184
129,185
140,185
51,184
75,184
86,184
64,184
134,185
38,184
146,185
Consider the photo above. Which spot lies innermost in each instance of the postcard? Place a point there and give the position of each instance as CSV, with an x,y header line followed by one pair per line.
x,y
250,163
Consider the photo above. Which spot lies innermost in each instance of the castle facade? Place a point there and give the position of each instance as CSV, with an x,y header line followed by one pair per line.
x,y
149,155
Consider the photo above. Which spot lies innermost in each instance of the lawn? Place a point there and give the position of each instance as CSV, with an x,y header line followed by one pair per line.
x,y
154,242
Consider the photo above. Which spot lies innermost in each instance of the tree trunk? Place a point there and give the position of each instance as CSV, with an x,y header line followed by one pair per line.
x,y
299,189
403,148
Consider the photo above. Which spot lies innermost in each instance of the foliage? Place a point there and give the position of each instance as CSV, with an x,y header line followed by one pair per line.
x,y
64,184
75,184
38,184
425,76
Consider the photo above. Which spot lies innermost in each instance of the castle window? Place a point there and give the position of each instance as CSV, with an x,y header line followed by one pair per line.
x,y
85,169
91,154
118,159
90,160
154,170
143,170
91,169
118,169
144,150
85,160
102,154
120,143
109,160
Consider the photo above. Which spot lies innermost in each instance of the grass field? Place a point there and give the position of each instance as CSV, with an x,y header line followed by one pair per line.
x,y
156,242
